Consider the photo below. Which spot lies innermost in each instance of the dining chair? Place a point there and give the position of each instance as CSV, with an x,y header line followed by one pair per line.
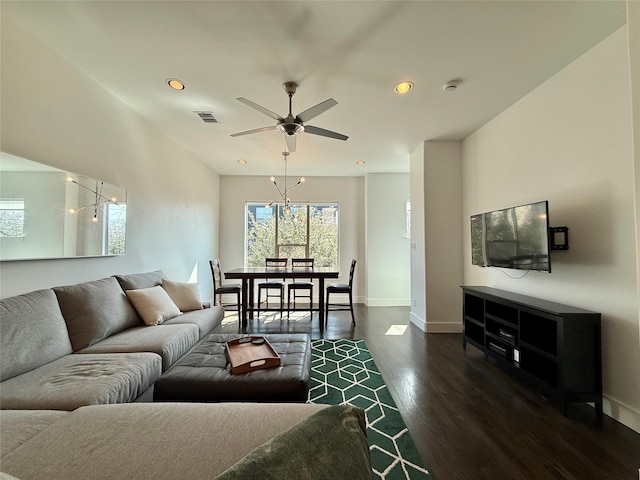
x,y
345,289
272,284
300,286
219,289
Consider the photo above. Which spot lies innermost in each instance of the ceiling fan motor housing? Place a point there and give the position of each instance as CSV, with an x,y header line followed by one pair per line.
x,y
290,128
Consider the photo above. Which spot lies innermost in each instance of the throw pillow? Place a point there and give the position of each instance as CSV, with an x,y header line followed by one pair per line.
x,y
186,296
95,310
334,438
153,304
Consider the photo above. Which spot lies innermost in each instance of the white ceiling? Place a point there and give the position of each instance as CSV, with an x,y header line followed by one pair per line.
x,y
352,51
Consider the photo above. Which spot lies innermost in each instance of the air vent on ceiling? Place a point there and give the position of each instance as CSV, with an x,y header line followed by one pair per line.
x,y
207,117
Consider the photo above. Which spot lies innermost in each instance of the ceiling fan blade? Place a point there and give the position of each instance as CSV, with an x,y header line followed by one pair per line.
x,y
323,132
316,110
255,130
260,108
291,143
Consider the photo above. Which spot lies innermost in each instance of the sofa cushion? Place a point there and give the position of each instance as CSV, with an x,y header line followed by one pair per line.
x,y
136,281
206,319
77,380
149,441
186,296
32,332
153,304
95,310
19,426
169,341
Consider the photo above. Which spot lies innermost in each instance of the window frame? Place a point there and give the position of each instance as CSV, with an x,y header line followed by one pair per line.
x,y
4,203
277,210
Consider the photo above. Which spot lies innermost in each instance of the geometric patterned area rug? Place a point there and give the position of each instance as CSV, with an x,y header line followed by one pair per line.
x,y
343,372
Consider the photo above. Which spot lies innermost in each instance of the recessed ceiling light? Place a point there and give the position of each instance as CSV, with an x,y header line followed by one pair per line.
x,y
175,84
403,87
360,162
242,161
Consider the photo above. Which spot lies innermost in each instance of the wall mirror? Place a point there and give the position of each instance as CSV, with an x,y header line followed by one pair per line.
x,y
49,213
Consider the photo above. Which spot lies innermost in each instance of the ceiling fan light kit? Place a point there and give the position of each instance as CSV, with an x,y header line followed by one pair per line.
x,y
291,125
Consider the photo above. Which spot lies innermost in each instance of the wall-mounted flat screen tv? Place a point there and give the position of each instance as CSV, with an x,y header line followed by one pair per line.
x,y
515,237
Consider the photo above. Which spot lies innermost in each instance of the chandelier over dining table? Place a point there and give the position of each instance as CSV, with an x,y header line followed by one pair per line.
x,y
283,194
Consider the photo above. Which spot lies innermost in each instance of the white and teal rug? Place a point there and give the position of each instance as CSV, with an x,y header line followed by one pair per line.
x,y
342,371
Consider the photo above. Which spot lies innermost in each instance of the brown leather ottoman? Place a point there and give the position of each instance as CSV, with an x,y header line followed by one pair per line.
x,y
204,374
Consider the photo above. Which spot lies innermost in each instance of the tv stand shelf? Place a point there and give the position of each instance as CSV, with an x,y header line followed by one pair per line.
x,y
556,347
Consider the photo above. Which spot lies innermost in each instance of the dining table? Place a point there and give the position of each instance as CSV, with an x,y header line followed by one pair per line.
x,y
248,275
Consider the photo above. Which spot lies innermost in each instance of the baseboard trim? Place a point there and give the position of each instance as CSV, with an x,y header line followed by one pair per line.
x,y
444,327
417,321
387,302
621,412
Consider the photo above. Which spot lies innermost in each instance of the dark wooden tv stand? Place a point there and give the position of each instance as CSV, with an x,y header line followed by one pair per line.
x,y
557,347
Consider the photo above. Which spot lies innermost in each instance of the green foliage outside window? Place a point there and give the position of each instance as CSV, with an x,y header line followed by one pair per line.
x,y
321,238
12,218
116,229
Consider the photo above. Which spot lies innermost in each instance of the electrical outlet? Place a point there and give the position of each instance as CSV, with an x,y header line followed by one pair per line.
x,y
414,302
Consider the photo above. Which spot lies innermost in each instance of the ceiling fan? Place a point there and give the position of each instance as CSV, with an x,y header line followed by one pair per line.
x,y
291,126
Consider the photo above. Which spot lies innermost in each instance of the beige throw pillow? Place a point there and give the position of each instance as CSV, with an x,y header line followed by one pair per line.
x,y
153,304
186,296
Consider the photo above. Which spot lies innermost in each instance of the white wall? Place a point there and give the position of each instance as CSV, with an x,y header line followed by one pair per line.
x,y
443,235
570,141
436,236
418,314
44,199
388,272
235,191
54,114
633,27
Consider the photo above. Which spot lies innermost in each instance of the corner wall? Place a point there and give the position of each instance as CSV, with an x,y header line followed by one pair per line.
x,y
436,237
570,141
54,114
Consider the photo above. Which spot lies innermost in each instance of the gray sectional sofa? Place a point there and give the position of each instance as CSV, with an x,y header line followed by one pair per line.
x,y
85,344
73,359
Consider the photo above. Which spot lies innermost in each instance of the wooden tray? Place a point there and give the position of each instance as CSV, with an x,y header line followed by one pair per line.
x,y
247,354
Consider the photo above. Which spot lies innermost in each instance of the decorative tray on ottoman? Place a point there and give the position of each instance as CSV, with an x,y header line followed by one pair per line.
x,y
247,354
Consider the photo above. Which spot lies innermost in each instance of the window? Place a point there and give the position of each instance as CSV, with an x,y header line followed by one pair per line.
x,y
115,216
12,218
407,218
294,231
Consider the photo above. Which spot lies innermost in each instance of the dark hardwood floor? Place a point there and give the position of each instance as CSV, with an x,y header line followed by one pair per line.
x,y
469,418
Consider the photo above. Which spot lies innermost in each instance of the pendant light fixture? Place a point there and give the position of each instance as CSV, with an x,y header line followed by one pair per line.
x,y
284,194
99,198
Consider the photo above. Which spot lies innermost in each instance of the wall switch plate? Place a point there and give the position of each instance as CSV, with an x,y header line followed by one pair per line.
x,y
516,356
